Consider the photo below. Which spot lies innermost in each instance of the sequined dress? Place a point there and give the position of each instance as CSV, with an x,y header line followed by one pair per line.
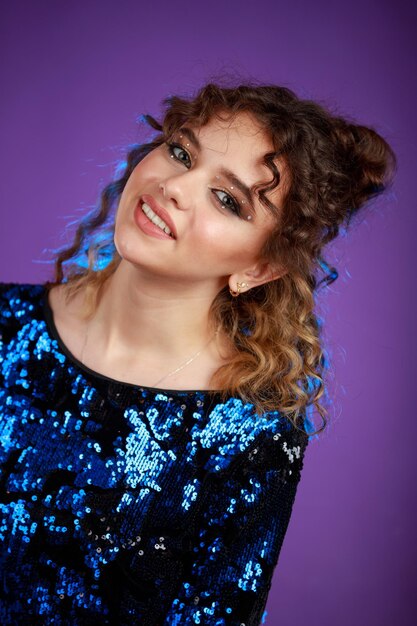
x,y
129,505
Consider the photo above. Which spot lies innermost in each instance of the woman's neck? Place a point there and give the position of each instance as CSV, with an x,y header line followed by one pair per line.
x,y
138,313
145,328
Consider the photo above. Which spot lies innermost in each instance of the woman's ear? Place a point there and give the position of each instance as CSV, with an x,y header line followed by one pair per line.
x,y
259,274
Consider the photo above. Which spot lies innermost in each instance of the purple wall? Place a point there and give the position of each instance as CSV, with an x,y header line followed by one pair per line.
x,y
75,76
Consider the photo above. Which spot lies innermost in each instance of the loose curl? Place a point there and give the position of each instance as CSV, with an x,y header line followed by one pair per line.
x,y
335,167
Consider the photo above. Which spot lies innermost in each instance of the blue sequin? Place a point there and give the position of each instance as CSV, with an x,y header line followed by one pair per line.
x,y
123,502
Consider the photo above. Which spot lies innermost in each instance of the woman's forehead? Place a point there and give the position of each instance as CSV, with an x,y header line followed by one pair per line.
x,y
239,126
240,134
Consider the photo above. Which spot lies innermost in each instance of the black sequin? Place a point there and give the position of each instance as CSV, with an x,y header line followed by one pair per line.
x,y
122,504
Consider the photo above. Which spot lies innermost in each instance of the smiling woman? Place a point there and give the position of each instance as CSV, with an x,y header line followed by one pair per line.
x,y
158,395
210,243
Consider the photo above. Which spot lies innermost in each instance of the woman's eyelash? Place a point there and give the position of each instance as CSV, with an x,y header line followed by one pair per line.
x,y
172,146
234,207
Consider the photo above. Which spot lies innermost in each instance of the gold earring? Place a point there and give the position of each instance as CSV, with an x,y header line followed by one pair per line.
x,y
239,287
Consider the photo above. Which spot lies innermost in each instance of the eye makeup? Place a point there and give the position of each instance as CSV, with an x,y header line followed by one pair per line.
x,y
236,207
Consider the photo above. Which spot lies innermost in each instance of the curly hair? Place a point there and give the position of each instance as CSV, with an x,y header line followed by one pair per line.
x,y
336,166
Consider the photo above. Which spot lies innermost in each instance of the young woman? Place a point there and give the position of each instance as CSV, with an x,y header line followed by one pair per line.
x,y
155,396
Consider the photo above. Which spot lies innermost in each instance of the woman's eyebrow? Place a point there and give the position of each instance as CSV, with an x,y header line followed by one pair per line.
x,y
190,134
226,173
234,180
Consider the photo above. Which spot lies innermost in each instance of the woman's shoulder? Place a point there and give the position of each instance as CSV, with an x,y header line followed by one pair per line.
x,y
19,300
270,435
11,290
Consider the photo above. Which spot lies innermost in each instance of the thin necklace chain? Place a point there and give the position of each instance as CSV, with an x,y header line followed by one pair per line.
x,y
184,365
178,369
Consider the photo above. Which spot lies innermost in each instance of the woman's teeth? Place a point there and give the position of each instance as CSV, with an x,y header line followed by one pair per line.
x,y
155,219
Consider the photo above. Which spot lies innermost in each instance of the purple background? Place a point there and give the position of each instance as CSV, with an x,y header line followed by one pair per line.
x,y
74,78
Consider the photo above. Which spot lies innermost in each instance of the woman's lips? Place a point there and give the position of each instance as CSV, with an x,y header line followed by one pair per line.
x,y
148,227
160,212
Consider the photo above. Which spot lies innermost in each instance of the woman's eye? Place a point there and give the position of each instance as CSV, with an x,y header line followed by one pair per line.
x,y
179,153
227,201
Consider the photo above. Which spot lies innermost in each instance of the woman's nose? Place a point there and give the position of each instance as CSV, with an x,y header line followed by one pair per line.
x,y
172,192
182,192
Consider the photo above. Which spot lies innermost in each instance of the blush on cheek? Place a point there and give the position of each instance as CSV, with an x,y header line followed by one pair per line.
x,y
228,241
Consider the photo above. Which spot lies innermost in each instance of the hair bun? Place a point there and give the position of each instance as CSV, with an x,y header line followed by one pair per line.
x,y
369,160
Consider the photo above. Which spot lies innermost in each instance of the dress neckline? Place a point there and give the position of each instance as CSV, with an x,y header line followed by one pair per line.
x,y
51,326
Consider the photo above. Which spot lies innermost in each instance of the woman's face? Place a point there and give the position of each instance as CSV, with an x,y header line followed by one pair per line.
x,y
210,234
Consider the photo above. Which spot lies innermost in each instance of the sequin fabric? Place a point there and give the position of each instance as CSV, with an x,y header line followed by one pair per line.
x,y
122,504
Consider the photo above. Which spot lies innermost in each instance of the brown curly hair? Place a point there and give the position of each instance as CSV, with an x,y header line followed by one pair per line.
x,y
335,167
